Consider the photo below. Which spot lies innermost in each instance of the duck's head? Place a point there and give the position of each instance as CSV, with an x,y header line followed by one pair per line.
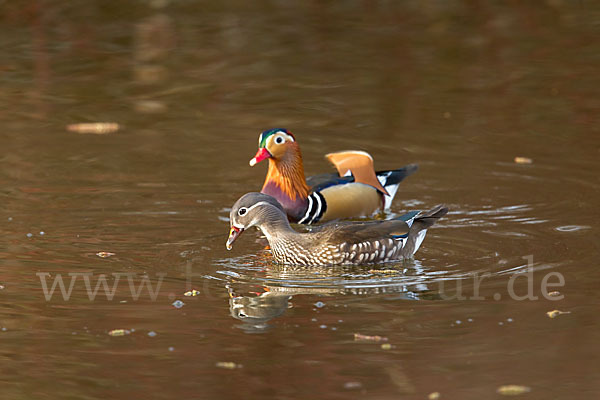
x,y
273,144
252,209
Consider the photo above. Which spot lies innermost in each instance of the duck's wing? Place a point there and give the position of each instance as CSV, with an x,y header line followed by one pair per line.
x,y
353,232
356,232
389,179
322,181
358,164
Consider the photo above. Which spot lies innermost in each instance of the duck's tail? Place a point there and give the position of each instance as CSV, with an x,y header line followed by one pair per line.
x,y
418,224
390,180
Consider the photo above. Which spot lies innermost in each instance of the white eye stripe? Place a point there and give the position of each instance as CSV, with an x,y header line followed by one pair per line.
x,y
247,213
256,205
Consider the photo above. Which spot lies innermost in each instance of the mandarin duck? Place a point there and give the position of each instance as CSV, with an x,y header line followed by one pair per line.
x,y
357,190
336,243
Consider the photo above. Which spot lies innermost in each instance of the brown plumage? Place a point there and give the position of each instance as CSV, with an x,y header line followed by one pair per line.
x,y
338,243
288,174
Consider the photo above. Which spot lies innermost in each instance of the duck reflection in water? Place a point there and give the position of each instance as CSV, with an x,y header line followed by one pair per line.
x,y
258,305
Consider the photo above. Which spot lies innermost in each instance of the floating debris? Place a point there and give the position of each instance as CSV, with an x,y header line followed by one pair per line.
x,y
228,365
104,254
376,338
192,293
150,106
1,287
523,160
96,128
119,332
556,313
386,346
178,304
555,293
352,385
434,396
513,390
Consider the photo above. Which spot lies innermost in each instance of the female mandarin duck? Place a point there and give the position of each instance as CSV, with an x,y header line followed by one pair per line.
x,y
357,191
341,243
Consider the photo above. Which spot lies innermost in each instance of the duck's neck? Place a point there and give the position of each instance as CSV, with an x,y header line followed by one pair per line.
x,y
287,176
276,227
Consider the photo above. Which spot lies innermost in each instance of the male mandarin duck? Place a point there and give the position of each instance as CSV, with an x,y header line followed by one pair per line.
x,y
335,243
357,191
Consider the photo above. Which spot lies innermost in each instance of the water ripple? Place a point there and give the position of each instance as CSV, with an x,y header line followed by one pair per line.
x,y
571,228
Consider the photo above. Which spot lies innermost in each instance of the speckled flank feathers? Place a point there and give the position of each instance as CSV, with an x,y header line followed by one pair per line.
x,y
341,243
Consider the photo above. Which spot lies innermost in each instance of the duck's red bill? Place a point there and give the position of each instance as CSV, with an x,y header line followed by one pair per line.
x,y
234,233
261,154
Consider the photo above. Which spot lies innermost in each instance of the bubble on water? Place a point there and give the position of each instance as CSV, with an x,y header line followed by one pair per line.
x,y
333,328
171,348
178,304
323,326
314,320
29,235
470,320
3,329
152,334
319,304
509,320
500,323
458,322
42,233
10,218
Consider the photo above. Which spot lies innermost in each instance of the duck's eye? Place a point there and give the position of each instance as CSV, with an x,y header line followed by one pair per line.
x,y
279,139
242,211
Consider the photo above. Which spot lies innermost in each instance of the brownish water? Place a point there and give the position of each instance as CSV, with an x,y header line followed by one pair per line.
x,y
460,88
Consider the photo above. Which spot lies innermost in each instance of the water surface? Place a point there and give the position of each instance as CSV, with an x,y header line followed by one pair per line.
x,y
460,89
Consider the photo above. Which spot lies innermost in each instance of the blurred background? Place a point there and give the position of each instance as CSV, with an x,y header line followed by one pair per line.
x,y
179,92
